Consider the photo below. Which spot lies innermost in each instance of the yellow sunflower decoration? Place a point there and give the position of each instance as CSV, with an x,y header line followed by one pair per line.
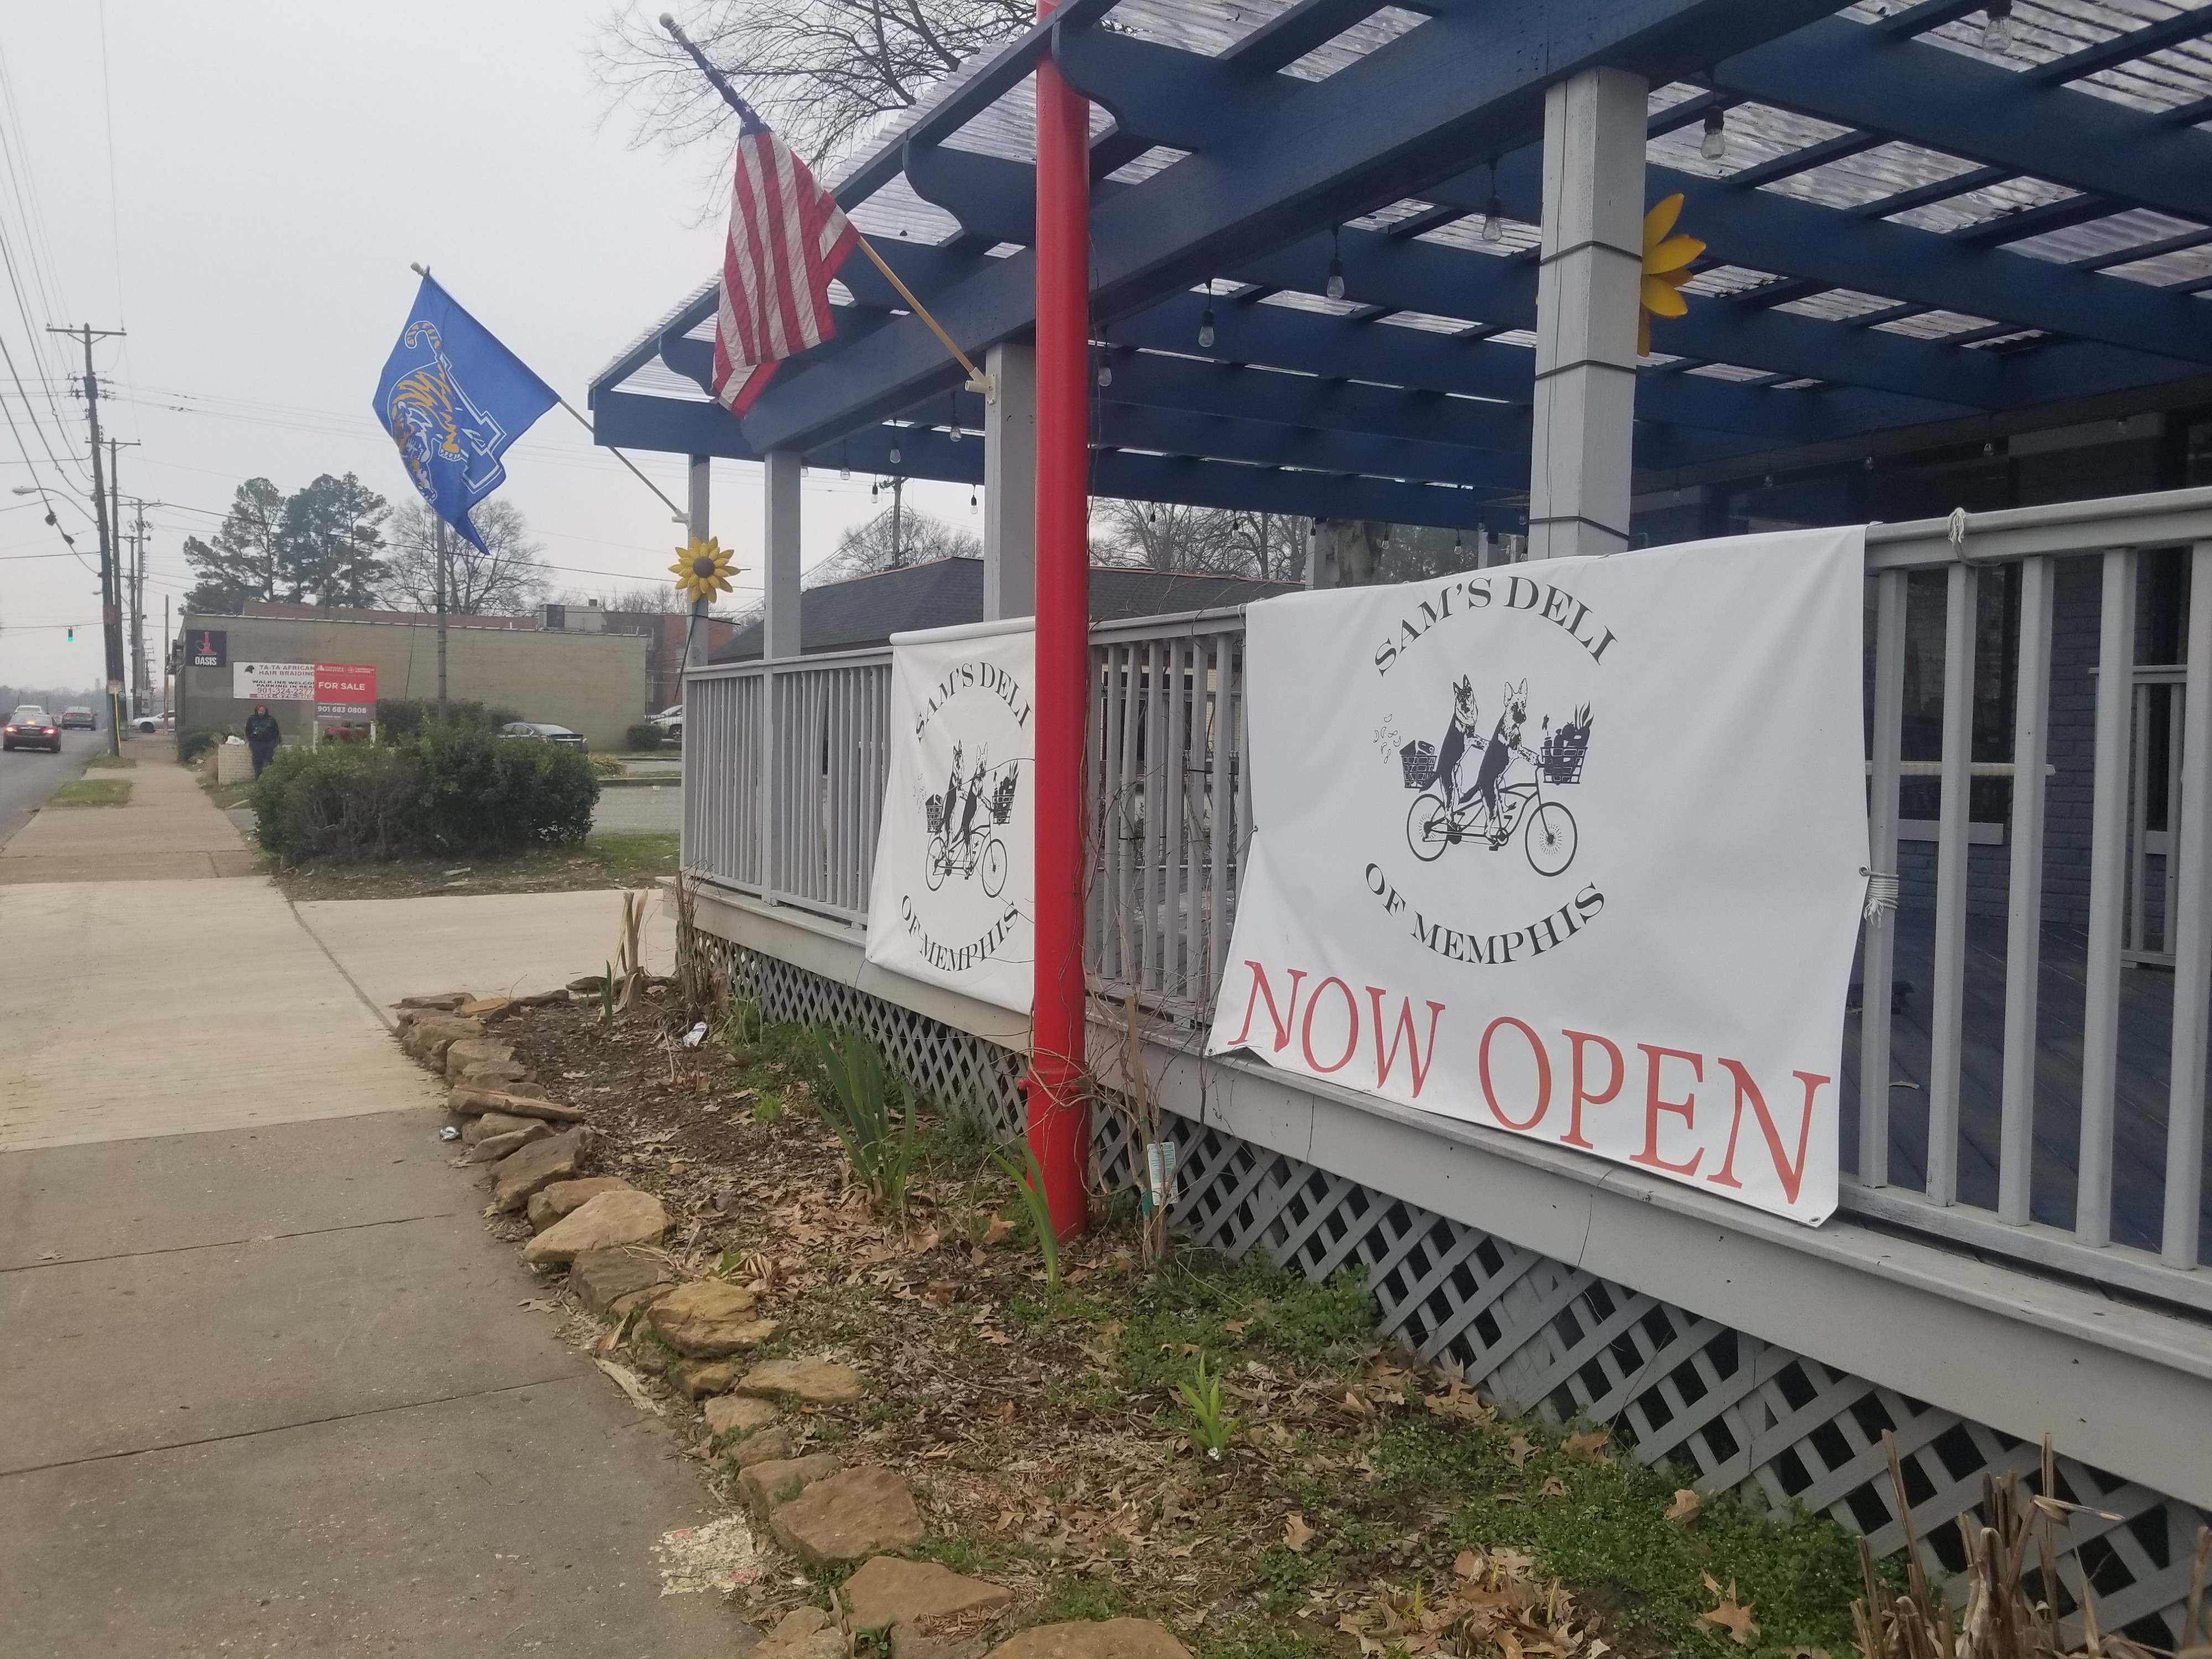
x,y
703,570
1666,267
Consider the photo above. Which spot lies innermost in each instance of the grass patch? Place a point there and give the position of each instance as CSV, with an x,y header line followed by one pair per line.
x,y
93,792
602,862
110,763
1070,1596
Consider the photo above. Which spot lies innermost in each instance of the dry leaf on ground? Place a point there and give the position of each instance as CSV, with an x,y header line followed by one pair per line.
x,y
1588,1446
1684,1506
1296,1533
1553,1487
1736,1620
996,1233
1518,1450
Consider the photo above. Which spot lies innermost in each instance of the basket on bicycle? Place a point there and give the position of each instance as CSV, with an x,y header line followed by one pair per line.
x,y
1561,756
1419,760
936,805
1002,801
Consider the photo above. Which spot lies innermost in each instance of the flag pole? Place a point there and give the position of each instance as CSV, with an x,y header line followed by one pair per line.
x,y
749,121
678,513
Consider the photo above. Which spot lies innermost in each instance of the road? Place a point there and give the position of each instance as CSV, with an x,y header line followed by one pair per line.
x,y
27,776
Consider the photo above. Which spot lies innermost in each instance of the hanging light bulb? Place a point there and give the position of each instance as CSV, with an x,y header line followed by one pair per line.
x,y
1997,33
1493,211
896,456
1714,145
1105,372
1335,263
952,416
1205,328
845,472
971,499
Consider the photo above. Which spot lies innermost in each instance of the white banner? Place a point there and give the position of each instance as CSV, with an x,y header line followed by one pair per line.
x,y
1573,850
952,900
273,682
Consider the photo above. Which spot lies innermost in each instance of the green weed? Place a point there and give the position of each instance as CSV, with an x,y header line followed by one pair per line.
x,y
1028,1177
1213,1427
878,1136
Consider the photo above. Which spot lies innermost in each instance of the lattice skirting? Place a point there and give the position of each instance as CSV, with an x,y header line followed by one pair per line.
x,y
1731,1413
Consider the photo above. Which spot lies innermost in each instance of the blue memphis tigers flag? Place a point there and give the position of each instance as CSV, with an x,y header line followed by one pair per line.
x,y
453,398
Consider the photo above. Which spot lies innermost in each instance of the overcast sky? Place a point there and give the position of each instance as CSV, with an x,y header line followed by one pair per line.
x,y
242,186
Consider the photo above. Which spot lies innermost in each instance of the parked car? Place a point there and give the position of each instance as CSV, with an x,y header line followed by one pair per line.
x,y
671,721
29,728
152,723
541,731
79,719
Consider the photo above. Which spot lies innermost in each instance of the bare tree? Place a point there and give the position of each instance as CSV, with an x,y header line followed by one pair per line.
x,y
508,581
1213,541
647,598
820,71
893,538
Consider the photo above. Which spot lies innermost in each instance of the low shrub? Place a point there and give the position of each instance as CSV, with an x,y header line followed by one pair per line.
x,y
196,741
644,737
450,789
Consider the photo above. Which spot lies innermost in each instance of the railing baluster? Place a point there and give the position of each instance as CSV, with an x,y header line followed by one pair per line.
x,y
1128,960
1946,998
1156,789
2031,738
2108,852
1173,772
2136,938
1876,972
2189,880
1220,825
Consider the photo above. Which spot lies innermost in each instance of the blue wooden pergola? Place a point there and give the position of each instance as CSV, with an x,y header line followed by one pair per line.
x,y
1912,216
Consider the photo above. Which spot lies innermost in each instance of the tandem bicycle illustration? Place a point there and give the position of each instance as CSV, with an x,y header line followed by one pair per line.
x,y
1467,796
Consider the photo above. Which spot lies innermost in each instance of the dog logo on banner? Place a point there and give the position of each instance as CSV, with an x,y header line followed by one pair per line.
x,y
1484,806
964,825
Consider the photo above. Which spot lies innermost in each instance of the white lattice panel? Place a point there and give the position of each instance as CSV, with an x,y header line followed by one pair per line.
x,y
1551,1340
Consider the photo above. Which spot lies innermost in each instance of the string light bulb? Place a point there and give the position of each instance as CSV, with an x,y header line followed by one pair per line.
x,y
1493,211
952,416
1105,374
1206,327
1997,32
896,456
1335,263
1714,145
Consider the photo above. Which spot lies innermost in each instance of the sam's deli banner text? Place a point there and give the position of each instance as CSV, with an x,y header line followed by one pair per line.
x,y
1572,850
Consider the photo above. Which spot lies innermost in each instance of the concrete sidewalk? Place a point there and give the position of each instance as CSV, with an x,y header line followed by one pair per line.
x,y
168,830
271,1387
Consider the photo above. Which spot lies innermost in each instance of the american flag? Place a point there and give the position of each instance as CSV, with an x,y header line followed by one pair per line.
x,y
787,237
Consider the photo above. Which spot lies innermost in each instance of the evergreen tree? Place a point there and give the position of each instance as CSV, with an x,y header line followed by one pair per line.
x,y
243,560
331,535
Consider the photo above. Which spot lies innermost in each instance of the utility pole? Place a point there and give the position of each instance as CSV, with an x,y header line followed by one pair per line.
x,y
899,498
444,712
110,597
139,687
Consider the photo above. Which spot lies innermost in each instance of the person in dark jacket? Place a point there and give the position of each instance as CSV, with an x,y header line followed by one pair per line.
x,y
262,736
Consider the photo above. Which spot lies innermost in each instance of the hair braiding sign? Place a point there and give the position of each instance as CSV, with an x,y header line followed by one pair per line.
x,y
1574,850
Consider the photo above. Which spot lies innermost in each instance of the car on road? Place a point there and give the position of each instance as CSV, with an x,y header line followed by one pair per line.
x,y
670,721
28,728
543,731
79,719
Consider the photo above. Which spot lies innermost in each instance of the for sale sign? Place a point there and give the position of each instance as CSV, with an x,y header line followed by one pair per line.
x,y
273,682
345,691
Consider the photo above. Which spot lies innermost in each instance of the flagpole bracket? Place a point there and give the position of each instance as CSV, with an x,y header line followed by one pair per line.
x,y
985,384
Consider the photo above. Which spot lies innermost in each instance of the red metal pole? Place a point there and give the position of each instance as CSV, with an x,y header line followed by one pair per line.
x,y
1059,1120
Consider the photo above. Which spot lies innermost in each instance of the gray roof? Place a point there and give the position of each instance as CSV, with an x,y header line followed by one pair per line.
x,y
867,611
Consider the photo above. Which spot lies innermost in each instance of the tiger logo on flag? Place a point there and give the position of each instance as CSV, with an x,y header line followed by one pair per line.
x,y
433,420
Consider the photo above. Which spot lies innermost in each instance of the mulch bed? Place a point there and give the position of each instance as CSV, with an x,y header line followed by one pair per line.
x,y
1362,1506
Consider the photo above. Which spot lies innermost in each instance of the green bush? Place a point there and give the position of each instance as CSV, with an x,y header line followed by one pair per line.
x,y
452,789
480,792
645,736
195,742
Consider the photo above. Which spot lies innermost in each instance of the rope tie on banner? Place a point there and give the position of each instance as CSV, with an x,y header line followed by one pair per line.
x,y
1955,527
1881,895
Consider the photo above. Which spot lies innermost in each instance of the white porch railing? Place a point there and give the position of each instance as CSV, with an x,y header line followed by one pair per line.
x,y
2046,1085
